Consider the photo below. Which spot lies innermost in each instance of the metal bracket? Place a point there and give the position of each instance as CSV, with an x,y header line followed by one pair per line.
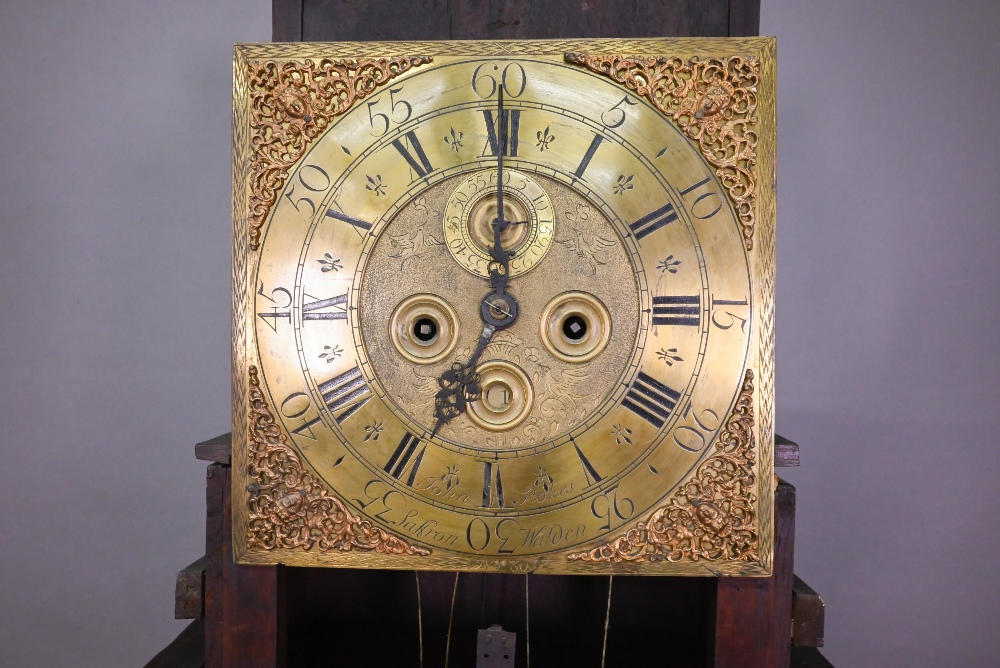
x,y
495,648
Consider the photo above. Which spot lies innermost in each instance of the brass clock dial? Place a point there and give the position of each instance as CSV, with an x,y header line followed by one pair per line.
x,y
569,375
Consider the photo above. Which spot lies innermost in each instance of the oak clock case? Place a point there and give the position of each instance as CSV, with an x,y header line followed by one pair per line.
x,y
505,306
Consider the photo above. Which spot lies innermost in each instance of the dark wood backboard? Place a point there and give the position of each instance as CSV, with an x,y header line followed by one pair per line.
x,y
341,20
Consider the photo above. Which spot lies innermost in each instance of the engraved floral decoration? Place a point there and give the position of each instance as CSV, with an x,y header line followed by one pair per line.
x,y
713,102
289,508
709,517
291,103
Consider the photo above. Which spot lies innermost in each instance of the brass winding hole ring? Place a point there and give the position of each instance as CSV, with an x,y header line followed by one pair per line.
x,y
567,309
505,397
438,322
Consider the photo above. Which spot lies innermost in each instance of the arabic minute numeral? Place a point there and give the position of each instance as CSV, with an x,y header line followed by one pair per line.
x,y
280,307
730,313
615,116
399,112
610,504
694,437
313,179
513,79
477,534
294,407
701,208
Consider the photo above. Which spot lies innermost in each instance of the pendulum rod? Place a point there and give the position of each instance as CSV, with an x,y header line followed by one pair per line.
x,y
420,620
451,616
527,619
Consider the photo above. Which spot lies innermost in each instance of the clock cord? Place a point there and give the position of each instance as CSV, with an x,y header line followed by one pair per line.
x,y
420,621
527,620
607,621
451,616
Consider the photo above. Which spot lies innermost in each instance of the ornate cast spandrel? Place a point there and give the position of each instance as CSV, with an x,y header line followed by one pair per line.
x,y
292,103
715,522
713,101
289,508
711,516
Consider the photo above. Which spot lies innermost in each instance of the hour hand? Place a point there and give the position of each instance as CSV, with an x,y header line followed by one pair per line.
x,y
459,385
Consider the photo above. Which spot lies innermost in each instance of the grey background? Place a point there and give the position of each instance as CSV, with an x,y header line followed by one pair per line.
x,y
114,316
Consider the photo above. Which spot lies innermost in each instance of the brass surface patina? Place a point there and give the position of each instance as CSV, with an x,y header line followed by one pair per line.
x,y
615,315
712,515
289,508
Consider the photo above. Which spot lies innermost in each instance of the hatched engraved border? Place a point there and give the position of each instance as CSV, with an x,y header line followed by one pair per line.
x,y
763,259
291,103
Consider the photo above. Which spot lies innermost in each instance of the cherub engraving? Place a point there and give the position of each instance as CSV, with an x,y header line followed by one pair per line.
x,y
408,246
589,248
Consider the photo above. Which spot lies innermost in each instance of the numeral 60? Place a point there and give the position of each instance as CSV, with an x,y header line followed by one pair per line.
x,y
516,82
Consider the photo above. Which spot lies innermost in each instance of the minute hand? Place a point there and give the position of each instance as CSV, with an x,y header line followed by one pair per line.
x,y
500,269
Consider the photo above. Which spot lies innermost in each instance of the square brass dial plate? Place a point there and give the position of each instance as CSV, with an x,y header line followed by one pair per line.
x,y
532,334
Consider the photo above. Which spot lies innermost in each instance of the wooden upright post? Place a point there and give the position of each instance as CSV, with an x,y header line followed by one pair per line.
x,y
753,625
244,605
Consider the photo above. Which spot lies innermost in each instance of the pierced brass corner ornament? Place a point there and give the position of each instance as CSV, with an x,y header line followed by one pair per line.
x,y
711,516
505,306
289,508
292,103
713,101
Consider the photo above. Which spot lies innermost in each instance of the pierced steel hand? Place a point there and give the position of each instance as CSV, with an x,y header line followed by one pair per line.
x,y
500,266
459,385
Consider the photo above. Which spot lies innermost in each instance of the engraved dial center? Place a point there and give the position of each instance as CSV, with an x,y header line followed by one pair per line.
x,y
556,374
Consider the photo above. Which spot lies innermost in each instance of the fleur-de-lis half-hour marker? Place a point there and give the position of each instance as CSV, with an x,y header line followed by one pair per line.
x,y
668,264
454,139
544,139
331,353
621,434
669,356
543,479
330,263
373,430
624,183
375,185
450,477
